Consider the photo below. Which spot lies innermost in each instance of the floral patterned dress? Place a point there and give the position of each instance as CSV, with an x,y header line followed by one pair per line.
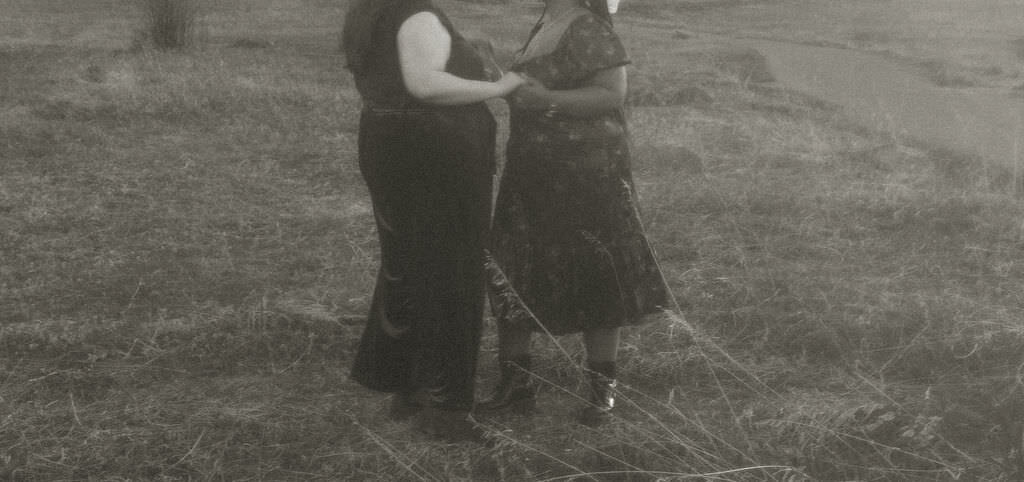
x,y
569,252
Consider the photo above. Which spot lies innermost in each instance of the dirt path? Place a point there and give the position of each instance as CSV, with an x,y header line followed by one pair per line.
x,y
883,94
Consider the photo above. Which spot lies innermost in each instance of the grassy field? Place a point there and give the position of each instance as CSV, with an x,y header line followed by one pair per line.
x,y
188,251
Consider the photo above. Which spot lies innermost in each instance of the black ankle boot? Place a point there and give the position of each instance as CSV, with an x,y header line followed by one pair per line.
x,y
516,390
602,394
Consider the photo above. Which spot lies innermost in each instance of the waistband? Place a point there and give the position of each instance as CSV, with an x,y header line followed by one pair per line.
x,y
377,107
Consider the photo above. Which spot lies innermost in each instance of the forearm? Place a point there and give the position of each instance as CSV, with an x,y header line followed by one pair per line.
x,y
424,49
605,91
584,102
442,88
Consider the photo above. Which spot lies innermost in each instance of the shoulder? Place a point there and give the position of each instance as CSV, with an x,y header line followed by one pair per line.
x,y
588,22
423,19
590,33
593,45
423,24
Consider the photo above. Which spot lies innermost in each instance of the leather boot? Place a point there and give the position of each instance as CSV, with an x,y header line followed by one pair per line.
x,y
602,394
516,390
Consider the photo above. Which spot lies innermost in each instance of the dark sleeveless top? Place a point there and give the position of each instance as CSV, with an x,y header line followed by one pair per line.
x,y
380,84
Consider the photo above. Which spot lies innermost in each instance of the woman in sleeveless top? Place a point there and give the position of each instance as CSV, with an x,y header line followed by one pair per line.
x,y
568,243
426,153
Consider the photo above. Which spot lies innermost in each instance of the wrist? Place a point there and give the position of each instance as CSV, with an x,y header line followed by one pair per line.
x,y
507,85
502,88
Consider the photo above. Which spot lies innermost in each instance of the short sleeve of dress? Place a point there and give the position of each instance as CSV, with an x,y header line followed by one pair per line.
x,y
592,46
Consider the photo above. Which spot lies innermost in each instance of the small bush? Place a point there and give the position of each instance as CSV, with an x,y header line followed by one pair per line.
x,y
170,24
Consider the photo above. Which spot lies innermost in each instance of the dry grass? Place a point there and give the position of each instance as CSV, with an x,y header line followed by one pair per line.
x,y
189,250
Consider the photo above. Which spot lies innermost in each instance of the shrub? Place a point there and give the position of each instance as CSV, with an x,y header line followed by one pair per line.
x,y
170,24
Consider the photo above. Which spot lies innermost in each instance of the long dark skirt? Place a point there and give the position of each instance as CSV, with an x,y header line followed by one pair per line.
x,y
430,179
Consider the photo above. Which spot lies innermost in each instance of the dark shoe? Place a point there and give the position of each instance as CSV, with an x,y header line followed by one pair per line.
x,y
449,426
602,395
516,391
403,406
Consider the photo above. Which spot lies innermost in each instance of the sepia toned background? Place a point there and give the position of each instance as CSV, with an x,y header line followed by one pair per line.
x,y
833,190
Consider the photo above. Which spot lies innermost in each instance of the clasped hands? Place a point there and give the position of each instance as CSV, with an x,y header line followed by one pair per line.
x,y
531,94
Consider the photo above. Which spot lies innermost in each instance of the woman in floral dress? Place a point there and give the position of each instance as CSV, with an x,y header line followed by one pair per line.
x,y
567,232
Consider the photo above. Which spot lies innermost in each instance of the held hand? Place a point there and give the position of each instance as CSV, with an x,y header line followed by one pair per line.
x,y
529,80
532,96
509,82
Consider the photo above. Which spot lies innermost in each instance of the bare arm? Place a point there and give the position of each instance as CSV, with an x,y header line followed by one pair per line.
x,y
605,91
424,46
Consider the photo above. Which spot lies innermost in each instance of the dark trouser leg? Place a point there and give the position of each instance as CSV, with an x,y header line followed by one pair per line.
x,y
448,373
431,198
459,268
385,356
